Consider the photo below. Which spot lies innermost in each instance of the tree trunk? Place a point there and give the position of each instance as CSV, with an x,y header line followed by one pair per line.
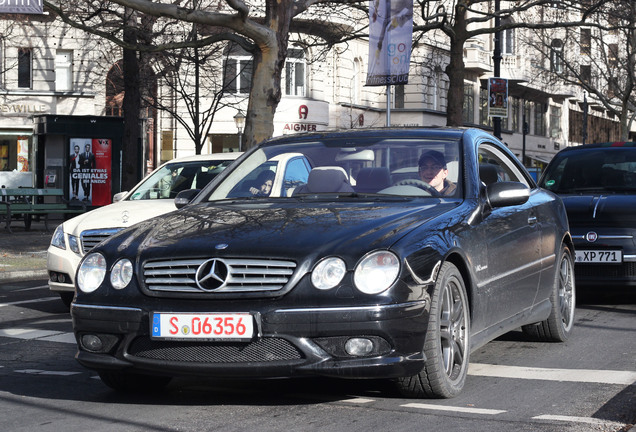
x,y
455,70
269,62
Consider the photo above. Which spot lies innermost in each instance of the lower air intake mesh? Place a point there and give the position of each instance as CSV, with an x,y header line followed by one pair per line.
x,y
263,350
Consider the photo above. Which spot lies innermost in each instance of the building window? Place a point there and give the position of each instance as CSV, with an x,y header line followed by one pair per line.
x,y
539,119
612,55
586,41
469,103
357,78
64,70
515,110
555,121
507,39
295,72
556,56
398,96
237,78
115,90
437,91
586,74
484,119
24,67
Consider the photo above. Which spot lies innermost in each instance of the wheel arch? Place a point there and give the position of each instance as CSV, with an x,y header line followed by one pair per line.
x,y
459,262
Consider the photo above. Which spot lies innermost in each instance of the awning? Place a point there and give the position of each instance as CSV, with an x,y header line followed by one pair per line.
x,y
540,158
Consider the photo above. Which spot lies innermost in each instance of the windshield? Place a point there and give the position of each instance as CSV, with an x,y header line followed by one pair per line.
x,y
598,170
387,167
172,178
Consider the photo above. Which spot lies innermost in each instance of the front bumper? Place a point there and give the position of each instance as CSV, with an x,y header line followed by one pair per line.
x,y
606,274
290,342
61,265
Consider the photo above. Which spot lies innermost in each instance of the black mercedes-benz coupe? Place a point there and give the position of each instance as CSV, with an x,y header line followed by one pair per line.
x,y
377,253
597,183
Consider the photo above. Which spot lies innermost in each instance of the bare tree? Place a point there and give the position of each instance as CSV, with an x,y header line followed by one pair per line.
x,y
601,60
264,32
190,76
467,19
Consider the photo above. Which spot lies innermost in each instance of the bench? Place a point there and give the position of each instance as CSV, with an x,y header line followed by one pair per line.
x,y
28,202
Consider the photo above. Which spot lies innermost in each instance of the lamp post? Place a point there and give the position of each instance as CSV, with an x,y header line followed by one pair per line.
x,y
239,121
497,65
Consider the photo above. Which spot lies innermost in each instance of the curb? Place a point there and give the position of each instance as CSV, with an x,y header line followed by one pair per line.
x,y
14,276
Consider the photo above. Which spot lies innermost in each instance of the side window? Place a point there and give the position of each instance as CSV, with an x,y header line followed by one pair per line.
x,y
296,173
496,166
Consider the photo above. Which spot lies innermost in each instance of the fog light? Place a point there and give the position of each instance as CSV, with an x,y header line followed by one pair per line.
x,y
53,277
92,343
61,278
358,346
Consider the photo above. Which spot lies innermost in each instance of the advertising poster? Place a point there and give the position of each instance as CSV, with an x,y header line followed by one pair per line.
x,y
90,170
497,97
23,154
390,38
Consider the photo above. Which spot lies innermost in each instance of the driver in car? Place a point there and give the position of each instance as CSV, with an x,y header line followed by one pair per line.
x,y
433,170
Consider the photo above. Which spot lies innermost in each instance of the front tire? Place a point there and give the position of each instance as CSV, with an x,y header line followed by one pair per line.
x,y
447,343
67,298
558,326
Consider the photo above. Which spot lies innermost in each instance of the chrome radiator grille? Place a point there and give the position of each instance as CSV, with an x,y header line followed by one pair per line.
x,y
241,275
91,238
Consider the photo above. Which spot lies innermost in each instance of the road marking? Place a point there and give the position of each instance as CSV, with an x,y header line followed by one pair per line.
x,y
454,409
359,400
32,288
43,372
45,299
572,419
569,375
45,335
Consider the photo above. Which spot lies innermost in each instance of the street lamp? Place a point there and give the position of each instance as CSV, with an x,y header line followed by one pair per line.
x,y
239,121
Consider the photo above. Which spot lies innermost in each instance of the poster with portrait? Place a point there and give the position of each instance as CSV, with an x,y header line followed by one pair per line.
x,y
498,97
90,170
390,39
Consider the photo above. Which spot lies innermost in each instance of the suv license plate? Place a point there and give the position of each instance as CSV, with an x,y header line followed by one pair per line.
x,y
599,256
202,326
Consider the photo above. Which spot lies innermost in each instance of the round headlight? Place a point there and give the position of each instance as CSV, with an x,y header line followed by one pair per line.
x,y
328,273
376,272
57,239
91,272
121,274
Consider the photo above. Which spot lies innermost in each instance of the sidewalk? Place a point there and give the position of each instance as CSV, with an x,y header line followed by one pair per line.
x,y
23,253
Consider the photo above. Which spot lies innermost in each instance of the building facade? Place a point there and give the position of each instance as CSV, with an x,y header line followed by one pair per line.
x,y
49,68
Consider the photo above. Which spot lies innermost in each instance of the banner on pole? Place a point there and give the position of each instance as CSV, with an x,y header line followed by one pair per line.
x,y
21,6
390,38
497,97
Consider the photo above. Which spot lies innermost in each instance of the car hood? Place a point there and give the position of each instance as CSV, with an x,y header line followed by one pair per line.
x,y
292,231
121,214
602,210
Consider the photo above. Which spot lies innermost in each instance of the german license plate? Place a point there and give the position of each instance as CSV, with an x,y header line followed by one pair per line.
x,y
599,256
207,326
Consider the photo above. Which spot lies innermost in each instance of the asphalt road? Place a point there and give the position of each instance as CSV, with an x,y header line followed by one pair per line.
x,y
586,384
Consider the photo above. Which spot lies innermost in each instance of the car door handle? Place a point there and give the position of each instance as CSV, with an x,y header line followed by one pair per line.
x,y
532,220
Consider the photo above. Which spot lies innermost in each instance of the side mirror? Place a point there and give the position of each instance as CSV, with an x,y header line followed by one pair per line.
x,y
504,194
119,196
184,198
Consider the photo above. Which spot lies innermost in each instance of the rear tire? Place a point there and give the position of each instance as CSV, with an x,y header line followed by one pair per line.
x,y
559,325
447,343
127,382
